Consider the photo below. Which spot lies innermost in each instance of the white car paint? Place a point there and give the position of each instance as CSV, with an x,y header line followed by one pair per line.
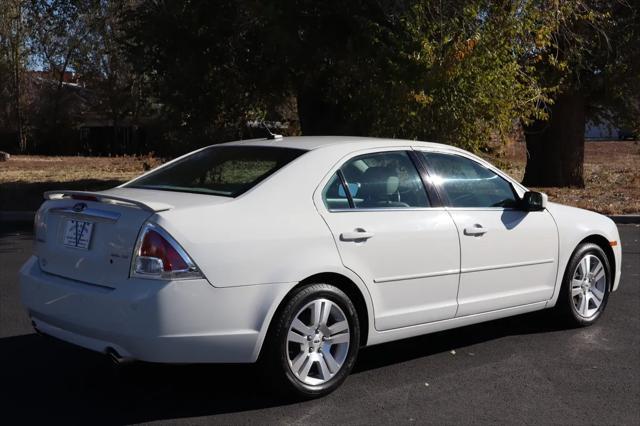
x,y
417,274
506,266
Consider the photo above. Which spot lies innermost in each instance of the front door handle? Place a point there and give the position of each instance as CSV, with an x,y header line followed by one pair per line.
x,y
358,234
475,230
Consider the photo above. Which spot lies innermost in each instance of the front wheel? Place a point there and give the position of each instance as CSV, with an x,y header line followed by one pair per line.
x,y
586,285
313,342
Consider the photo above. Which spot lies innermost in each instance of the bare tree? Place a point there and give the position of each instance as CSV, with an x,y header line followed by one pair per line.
x,y
13,57
105,68
58,32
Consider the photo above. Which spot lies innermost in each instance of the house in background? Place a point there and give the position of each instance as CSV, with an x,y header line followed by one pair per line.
x,y
606,130
73,120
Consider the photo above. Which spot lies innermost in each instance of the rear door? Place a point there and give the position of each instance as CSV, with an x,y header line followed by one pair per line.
x,y
509,257
399,241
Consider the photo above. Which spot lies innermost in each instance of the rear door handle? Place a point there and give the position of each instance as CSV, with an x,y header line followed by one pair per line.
x,y
358,234
475,230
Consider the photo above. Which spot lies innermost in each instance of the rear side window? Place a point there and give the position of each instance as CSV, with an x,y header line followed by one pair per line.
x,y
380,180
467,183
334,194
224,170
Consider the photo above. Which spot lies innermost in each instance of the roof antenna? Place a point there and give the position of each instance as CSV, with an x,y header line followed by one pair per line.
x,y
270,136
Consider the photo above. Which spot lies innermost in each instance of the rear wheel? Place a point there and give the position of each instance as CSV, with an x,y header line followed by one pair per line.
x,y
313,342
586,285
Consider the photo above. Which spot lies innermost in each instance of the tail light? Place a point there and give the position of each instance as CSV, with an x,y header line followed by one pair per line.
x,y
158,256
40,226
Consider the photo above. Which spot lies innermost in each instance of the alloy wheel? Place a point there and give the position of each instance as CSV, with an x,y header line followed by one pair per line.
x,y
588,286
318,342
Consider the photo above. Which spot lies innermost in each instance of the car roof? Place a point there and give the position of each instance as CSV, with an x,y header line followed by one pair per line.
x,y
349,143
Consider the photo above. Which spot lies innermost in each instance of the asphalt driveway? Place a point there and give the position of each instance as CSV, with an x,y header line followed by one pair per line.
x,y
524,369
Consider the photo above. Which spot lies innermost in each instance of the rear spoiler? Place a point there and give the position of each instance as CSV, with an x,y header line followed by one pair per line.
x,y
105,198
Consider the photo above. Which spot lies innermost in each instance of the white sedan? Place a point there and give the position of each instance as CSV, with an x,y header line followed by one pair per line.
x,y
297,252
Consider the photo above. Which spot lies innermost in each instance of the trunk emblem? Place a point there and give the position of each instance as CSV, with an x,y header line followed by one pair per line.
x,y
78,207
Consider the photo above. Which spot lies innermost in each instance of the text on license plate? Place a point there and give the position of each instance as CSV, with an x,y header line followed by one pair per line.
x,y
77,234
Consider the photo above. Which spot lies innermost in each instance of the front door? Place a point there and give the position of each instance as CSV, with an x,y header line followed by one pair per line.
x,y
406,251
509,257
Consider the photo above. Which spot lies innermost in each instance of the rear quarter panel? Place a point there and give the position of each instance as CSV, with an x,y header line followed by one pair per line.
x,y
271,234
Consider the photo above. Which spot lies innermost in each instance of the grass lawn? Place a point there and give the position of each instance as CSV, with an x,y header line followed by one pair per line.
x,y
24,178
612,176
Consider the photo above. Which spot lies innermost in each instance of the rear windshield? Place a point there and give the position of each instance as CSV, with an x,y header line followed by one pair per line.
x,y
223,170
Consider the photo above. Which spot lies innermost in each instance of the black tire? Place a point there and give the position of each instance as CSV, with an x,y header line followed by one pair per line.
x,y
565,305
275,357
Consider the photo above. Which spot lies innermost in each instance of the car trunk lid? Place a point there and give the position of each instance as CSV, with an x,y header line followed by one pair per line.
x,y
90,236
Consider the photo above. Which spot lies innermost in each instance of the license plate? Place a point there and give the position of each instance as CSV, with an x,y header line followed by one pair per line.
x,y
77,234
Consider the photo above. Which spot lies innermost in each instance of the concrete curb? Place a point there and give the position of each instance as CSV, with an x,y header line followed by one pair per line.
x,y
27,216
626,218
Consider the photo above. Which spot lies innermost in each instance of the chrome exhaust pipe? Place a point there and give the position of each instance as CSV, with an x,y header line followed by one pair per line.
x,y
36,329
117,358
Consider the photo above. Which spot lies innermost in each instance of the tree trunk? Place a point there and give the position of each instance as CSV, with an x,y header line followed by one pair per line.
x,y
116,147
555,148
17,42
55,130
22,138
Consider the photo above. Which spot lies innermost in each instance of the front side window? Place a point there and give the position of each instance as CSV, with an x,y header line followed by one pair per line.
x,y
467,183
378,181
224,170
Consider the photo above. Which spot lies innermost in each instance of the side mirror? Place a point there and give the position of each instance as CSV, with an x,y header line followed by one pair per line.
x,y
534,201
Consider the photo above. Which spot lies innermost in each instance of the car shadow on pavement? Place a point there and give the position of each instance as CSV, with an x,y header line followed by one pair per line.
x,y
405,350
44,380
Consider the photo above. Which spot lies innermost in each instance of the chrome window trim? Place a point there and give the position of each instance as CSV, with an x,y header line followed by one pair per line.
x,y
391,209
457,209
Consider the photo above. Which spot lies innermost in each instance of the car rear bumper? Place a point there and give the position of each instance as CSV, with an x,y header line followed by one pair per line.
x,y
186,321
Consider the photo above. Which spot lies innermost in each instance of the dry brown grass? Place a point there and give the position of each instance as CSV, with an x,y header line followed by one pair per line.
x,y
24,178
31,168
612,176
611,171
